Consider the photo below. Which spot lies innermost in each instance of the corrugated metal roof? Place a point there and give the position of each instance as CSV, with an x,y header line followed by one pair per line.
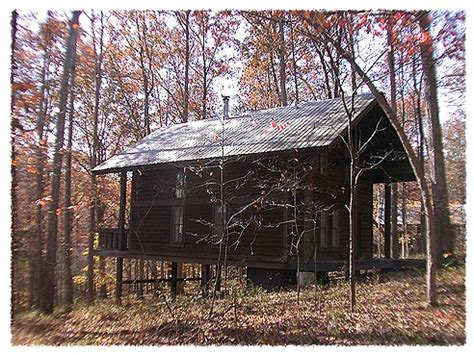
x,y
311,124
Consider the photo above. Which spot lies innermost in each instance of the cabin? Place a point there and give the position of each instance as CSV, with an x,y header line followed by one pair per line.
x,y
267,190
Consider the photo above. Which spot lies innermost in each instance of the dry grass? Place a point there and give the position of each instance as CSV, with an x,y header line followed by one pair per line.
x,y
391,310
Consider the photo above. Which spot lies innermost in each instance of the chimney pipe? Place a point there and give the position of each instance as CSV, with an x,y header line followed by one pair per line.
x,y
226,106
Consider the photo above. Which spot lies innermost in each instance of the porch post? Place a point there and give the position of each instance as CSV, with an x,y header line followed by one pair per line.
x,y
218,277
174,281
205,277
90,247
121,237
387,220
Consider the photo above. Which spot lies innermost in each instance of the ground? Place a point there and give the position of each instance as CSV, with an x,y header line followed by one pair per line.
x,y
391,310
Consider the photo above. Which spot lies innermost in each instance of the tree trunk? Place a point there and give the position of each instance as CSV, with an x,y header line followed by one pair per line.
x,y
352,232
146,93
93,161
440,191
282,62
14,181
352,49
186,68
293,58
40,158
48,283
68,285
204,74
325,69
393,104
421,144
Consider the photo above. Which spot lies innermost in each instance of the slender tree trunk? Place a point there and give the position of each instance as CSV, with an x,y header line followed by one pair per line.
x,y
282,62
187,55
405,239
325,69
336,69
440,190
421,144
187,63
393,104
146,106
98,53
204,74
293,59
68,213
352,234
352,49
273,75
40,158
146,93
48,284
14,181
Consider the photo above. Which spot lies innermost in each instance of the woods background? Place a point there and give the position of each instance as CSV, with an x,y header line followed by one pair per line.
x,y
135,71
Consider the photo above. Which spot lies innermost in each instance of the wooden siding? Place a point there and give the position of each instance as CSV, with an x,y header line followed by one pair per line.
x,y
153,200
364,213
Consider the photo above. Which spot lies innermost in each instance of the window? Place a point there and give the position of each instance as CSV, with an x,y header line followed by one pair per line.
x,y
177,235
180,184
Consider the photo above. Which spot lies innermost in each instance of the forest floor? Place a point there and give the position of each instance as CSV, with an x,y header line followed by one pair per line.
x,y
391,310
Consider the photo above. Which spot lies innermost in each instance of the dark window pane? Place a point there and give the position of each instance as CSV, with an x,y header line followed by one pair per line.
x,y
178,224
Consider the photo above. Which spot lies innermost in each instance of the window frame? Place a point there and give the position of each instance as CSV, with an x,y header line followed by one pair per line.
x,y
173,234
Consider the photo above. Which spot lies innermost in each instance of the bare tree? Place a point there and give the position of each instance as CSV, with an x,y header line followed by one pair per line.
x,y
426,195
393,104
48,283
442,224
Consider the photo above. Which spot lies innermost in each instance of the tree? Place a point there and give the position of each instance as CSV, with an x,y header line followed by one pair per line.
x,y
455,148
47,301
183,18
213,34
98,60
442,225
14,201
391,33
68,207
319,24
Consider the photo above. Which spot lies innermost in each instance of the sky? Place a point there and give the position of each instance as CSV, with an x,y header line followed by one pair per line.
x,y
7,6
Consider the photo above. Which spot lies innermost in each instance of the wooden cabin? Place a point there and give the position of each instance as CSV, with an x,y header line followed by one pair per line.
x,y
267,190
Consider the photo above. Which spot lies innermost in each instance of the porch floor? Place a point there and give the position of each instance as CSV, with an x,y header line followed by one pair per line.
x,y
323,265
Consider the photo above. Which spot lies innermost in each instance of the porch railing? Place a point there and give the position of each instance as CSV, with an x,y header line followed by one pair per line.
x,y
108,238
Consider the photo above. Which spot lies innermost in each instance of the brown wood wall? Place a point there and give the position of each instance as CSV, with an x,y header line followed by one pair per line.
x,y
153,200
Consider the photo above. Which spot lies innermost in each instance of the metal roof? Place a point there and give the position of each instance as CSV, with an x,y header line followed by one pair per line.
x,y
311,124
